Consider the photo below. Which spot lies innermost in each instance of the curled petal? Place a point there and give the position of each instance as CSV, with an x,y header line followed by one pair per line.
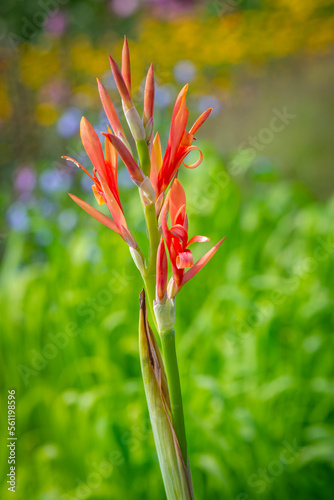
x,y
198,239
184,259
198,162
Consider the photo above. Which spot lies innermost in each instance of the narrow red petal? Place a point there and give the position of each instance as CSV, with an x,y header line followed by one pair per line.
x,y
126,69
92,145
156,162
199,122
99,216
198,239
68,158
201,263
149,96
162,272
121,85
129,161
109,109
177,199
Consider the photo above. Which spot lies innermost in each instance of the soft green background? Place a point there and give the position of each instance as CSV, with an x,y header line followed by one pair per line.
x,y
254,329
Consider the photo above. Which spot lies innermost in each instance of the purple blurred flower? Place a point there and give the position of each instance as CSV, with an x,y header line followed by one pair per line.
x,y
25,179
209,101
184,71
67,220
163,96
124,8
57,91
52,180
56,24
18,218
69,122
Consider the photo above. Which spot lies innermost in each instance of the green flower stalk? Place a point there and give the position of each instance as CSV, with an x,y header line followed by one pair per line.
x,y
164,208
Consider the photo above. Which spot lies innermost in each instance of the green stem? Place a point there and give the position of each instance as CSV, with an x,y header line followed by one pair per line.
x,y
174,386
167,337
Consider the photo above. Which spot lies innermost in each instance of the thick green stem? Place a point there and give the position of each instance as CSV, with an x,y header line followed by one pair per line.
x,y
173,378
167,336
150,271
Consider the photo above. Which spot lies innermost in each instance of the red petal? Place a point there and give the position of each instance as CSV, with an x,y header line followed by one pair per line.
x,y
121,85
126,70
180,232
104,219
92,145
201,263
109,109
149,96
78,165
129,161
162,271
198,162
184,259
156,162
199,122
177,199
198,239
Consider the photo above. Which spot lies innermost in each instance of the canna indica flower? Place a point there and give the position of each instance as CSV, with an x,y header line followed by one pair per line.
x,y
177,240
163,197
179,144
105,185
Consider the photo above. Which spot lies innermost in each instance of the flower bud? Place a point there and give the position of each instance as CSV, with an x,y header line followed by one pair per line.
x,y
162,272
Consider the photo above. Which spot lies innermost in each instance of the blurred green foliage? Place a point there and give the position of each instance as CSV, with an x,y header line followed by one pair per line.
x,y
254,339
254,328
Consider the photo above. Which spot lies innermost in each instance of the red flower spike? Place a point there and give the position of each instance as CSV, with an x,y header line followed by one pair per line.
x,y
130,163
126,69
180,142
162,272
121,85
110,110
177,239
156,162
149,96
105,187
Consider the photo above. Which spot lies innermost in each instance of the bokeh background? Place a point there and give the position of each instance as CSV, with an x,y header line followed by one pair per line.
x,y
254,328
